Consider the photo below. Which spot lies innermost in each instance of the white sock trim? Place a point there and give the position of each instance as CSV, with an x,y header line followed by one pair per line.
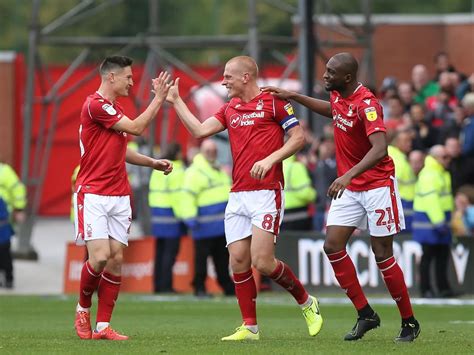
x,y
79,308
101,326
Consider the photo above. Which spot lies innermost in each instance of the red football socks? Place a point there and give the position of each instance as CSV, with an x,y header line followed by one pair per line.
x,y
88,284
283,276
346,275
393,277
108,291
246,293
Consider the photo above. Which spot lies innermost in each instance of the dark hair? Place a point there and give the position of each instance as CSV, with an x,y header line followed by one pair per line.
x,y
114,62
171,151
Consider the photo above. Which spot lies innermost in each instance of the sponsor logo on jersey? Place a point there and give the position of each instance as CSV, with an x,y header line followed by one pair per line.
x,y
341,122
253,115
109,109
247,119
371,113
289,109
367,101
259,105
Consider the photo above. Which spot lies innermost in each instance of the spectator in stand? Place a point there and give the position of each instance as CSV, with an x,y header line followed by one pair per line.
x,y
425,135
463,216
396,119
416,158
461,166
324,174
442,64
421,83
467,130
407,95
388,89
466,86
441,106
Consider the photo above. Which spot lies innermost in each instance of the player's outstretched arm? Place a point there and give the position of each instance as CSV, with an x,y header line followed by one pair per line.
x,y
295,142
136,158
197,128
319,106
161,86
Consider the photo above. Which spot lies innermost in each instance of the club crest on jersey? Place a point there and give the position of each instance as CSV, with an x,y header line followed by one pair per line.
x,y
259,105
350,112
289,109
371,113
109,109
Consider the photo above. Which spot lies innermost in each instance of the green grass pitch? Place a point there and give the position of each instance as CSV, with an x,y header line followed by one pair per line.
x,y
184,325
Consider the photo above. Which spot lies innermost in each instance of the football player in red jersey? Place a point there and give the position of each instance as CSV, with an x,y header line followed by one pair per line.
x,y
102,191
256,122
365,191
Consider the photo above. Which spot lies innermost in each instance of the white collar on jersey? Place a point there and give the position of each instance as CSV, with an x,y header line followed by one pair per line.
x,y
358,87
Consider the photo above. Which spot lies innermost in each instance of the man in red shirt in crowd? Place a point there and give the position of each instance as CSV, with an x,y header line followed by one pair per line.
x,y
256,123
102,191
365,191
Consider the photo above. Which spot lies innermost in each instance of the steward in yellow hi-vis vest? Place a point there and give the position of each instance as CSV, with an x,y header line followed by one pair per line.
x,y
12,204
166,224
433,203
204,199
299,193
406,181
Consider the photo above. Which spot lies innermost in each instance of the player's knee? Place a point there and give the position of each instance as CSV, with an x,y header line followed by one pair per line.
x,y
262,264
331,248
382,252
99,258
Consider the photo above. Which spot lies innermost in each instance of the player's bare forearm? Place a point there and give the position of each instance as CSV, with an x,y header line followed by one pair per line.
x,y
295,143
316,105
135,158
192,124
373,156
197,128
145,118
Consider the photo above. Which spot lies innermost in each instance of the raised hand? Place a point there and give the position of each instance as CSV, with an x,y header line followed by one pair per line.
x,y
173,93
161,85
277,92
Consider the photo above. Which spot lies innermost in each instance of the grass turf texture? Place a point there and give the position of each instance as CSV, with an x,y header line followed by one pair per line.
x,y
184,325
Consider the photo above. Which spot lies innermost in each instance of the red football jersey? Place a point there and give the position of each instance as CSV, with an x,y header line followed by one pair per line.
x,y
355,118
103,149
256,129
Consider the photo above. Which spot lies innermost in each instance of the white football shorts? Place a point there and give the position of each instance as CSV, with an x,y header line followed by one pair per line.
x,y
262,208
101,217
378,210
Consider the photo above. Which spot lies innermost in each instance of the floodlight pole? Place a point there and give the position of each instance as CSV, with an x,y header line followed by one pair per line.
x,y
306,54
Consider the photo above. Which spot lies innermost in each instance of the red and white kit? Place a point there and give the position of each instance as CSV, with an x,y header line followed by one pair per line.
x,y
372,198
102,193
256,129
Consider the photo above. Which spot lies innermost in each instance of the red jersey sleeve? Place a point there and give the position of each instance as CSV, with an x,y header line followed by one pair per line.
x,y
104,113
220,115
370,112
284,114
